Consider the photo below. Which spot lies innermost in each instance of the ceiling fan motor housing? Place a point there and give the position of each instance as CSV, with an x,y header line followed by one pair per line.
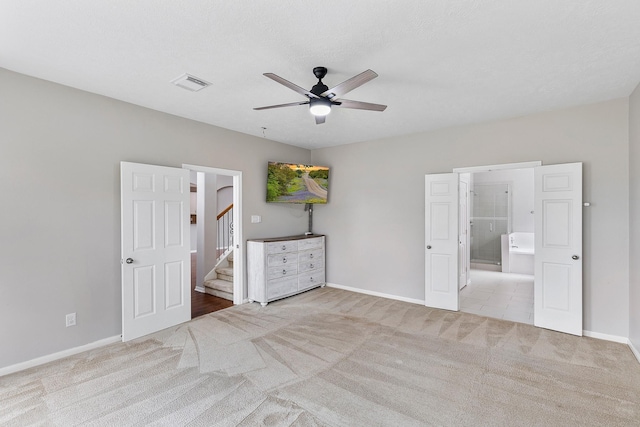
x,y
320,72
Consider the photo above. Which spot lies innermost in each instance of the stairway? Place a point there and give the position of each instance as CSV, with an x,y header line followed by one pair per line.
x,y
222,285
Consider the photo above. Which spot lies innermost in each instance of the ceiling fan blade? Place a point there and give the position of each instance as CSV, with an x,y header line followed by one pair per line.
x,y
290,85
290,104
349,85
320,119
358,105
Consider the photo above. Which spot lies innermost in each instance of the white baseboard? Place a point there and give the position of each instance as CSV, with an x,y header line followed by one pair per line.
x,y
200,289
59,355
376,294
634,350
606,337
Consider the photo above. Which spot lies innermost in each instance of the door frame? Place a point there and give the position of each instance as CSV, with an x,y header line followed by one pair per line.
x,y
238,259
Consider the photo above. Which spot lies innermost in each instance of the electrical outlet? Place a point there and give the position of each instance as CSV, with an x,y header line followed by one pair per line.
x,y
71,319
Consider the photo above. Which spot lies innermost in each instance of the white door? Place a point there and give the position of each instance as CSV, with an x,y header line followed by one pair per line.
x,y
441,241
464,249
156,265
558,248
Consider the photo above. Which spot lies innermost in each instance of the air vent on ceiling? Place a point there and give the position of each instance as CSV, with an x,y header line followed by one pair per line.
x,y
189,82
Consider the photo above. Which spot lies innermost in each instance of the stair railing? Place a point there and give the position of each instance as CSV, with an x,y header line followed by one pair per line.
x,y
225,232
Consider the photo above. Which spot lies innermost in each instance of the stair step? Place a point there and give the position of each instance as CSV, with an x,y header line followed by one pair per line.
x,y
225,271
225,277
219,285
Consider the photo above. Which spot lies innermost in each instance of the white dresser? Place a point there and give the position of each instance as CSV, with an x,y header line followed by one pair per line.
x,y
284,266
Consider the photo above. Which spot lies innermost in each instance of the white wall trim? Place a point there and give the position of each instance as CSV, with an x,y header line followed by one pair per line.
x,y
489,168
634,350
606,337
376,294
59,355
200,289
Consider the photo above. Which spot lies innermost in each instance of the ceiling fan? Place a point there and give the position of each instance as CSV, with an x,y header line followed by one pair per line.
x,y
321,99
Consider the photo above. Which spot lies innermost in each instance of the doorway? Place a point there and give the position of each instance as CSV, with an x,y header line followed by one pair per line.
x,y
557,245
208,242
500,203
155,245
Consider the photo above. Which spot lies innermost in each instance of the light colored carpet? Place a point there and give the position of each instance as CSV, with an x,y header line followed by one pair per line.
x,y
334,358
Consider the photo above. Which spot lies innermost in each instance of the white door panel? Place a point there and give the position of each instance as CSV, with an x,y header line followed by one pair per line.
x,y
156,276
558,248
441,241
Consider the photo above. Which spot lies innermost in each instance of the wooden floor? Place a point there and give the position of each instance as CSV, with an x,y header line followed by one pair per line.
x,y
202,303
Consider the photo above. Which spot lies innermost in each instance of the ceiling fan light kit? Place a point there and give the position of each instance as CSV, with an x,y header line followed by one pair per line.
x,y
319,106
321,99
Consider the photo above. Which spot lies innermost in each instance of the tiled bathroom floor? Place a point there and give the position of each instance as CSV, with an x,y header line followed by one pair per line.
x,y
500,295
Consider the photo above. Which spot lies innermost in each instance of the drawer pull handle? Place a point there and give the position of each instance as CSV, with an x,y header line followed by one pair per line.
x,y
311,265
284,272
310,255
284,260
284,247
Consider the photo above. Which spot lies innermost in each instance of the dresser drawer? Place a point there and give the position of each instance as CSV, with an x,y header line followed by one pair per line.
x,y
312,255
277,288
282,259
280,247
310,279
314,243
282,271
310,265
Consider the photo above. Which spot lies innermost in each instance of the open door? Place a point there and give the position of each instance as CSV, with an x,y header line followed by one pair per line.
x,y
156,276
558,248
441,241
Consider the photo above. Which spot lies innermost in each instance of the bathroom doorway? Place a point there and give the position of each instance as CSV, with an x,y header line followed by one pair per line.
x,y
557,244
500,202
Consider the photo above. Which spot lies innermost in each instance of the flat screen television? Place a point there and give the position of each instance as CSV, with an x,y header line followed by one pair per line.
x,y
297,183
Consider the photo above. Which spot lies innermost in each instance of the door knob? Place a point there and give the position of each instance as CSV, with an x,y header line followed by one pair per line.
x,y
575,257
428,246
129,261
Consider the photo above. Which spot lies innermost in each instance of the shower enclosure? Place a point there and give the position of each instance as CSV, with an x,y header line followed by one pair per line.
x,y
490,207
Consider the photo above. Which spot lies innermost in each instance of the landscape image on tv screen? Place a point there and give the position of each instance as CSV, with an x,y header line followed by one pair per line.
x,y
296,183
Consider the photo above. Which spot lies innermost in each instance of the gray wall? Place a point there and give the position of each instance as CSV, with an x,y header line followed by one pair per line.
x,y
375,215
634,218
60,153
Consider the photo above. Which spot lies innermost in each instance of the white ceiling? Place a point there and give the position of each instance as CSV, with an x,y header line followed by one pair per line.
x,y
440,62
